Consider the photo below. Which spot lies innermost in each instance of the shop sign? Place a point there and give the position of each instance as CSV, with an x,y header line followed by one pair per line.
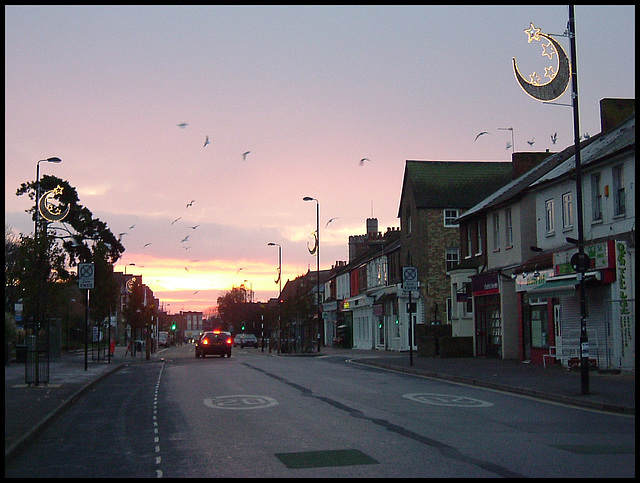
x,y
485,284
598,253
624,294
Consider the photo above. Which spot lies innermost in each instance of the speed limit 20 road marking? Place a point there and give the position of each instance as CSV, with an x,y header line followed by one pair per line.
x,y
448,400
240,402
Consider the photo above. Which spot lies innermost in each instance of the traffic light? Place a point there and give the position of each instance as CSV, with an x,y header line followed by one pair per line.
x,y
242,327
173,326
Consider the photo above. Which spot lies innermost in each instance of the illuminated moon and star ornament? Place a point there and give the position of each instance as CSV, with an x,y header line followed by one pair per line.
x,y
558,77
49,210
131,283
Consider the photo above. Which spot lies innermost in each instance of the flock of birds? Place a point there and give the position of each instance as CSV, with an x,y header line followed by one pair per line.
x,y
554,138
183,125
185,240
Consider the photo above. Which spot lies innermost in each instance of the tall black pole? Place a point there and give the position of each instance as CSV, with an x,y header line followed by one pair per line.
x,y
319,328
584,339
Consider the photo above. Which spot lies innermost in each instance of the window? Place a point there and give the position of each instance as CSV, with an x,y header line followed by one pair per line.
x,y
468,307
479,237
596,197
548,208
449,218
567,211
619,202
469,242
496,231
408,221
453,258
508,227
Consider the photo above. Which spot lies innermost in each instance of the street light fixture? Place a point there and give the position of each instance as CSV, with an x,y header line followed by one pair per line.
x,y
38,253
309,198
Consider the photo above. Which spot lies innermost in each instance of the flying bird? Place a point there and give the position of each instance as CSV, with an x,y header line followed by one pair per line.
x,y
146,245
480,134
530,143
331,221
206,141
186,269
190,203
244,155
196,292
132,227
554,137
185,239
239,270
123,233
182,125
363,160
508,145
176,220
194,227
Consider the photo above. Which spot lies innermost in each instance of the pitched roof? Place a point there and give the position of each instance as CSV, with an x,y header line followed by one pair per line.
x,y
453,184
602,146
597,147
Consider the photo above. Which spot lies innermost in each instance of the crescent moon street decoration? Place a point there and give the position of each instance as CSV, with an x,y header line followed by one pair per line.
x,y
558,77
49,210
312,251
131,284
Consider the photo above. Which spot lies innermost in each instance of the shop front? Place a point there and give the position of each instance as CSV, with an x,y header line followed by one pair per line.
x,y
550,311
488,315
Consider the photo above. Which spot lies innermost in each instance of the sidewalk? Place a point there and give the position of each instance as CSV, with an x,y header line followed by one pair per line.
x,y
28,409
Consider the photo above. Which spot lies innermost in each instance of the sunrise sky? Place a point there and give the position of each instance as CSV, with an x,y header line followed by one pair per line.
x,y
308,90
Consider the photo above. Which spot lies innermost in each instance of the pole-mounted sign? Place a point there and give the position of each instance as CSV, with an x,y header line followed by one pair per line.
x,y
409,279
86,275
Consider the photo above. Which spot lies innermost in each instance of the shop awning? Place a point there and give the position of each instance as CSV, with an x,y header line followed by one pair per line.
x,y
554,286
565,283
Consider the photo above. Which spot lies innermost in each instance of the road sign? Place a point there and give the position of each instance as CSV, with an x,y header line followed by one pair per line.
x,y
409,279
86,275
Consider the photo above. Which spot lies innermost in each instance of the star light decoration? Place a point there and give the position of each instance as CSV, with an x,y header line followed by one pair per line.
x,y
533,33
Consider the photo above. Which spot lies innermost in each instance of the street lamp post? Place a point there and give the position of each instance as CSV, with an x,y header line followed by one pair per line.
x,y
584,339
309,198
279,287
38,253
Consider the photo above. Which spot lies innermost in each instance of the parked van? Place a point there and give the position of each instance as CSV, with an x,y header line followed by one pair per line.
x,y
163,339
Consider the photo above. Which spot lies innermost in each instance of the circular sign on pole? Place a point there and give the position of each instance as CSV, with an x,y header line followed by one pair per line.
x,y
409,279
580,262
86,275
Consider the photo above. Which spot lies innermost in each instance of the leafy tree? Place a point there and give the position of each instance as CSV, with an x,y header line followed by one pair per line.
x,y
79,237
232,307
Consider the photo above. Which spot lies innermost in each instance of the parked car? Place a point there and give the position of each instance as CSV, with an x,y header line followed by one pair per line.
x,y
244,340
214,342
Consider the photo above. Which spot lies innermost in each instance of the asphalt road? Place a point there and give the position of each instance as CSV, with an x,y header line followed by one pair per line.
x,y
260,415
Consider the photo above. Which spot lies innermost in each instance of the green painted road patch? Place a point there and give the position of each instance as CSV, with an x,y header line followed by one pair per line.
x,y
596,448
319,459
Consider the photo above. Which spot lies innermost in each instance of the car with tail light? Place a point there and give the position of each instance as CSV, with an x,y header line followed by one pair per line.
x,y
216,342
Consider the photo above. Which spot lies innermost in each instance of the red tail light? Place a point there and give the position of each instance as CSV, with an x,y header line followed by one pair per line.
x,y
205,341
229,341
